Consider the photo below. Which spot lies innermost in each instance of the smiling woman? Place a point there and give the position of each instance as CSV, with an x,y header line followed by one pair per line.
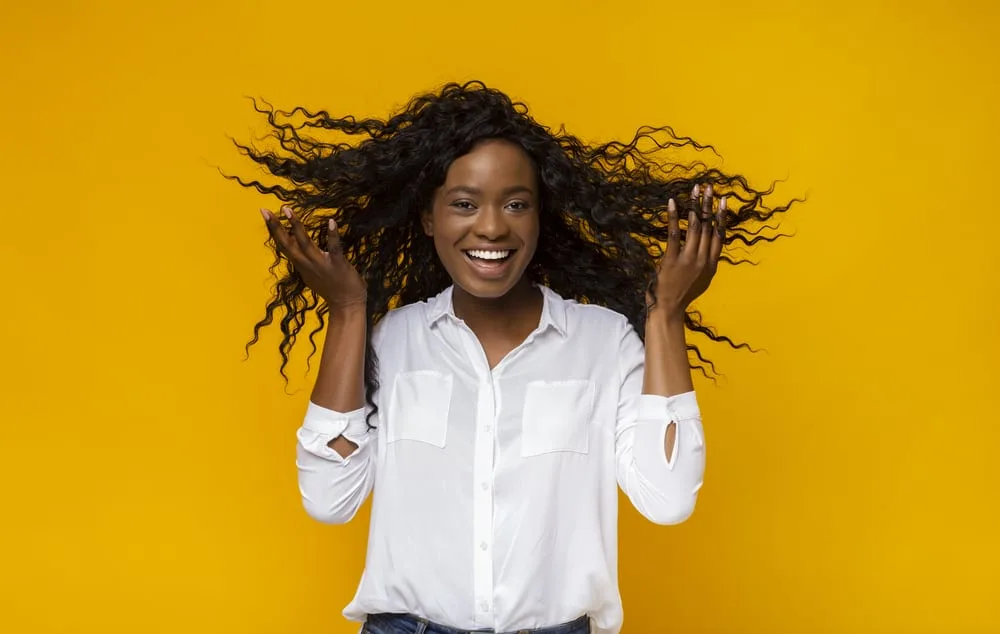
x,y
484,221
505,346
603,207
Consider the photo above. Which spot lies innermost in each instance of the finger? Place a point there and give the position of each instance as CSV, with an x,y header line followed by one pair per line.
x,y
693,236
278,234
302,240
719,235
673,230
333,238
705,242
706,203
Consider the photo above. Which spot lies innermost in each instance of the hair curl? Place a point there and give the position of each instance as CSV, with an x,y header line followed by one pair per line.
x,y
603,214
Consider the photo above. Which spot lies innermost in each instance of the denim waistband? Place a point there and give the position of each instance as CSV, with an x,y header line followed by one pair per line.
x,y
408,624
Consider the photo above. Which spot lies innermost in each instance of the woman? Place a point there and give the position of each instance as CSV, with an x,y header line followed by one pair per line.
x,y
487,286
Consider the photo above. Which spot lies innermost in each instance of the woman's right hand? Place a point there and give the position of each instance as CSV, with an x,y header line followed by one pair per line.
x,y
327,273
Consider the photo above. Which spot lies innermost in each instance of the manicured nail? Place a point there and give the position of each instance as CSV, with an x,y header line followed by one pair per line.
x,y
266,214
333,224
288,211
722,217
671,206
695,191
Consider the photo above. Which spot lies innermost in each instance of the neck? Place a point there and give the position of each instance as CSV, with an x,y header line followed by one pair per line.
x,y
521,304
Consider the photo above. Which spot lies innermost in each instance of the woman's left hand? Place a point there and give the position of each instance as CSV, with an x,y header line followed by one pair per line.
x,y
684,273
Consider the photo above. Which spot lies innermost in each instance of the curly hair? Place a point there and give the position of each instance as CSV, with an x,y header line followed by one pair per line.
x,y
602,219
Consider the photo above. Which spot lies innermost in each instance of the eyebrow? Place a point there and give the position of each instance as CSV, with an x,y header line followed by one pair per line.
x,y
468,189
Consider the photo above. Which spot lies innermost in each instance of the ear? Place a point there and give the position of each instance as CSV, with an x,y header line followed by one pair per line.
x,y
427,220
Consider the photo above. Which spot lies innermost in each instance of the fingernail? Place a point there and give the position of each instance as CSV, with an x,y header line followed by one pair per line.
x,y
333,224
695,191
287,210
265,213
671,206
722,203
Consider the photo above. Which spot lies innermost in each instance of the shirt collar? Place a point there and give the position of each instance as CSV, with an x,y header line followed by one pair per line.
x,y
439,306
553,309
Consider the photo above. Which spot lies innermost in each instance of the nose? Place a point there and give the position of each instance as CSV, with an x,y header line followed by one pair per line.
x,y
491,223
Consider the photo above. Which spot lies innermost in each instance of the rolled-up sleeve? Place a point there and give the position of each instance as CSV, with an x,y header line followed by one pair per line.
x,y
664,489
334,487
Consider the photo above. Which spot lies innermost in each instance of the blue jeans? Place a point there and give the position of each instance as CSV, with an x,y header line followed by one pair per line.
x,y
406,624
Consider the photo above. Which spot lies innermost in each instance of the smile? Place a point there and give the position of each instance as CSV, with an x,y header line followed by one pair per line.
x,y
491,255
490,265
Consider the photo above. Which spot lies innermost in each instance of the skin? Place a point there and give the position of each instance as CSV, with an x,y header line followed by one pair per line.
x,y
490,200
684,273
340,380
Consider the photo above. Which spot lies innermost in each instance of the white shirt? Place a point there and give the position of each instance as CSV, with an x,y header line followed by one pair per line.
x,y
495,492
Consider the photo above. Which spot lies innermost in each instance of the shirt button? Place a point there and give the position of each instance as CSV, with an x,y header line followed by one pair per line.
x,y
486,486
484,606
483,546
488,429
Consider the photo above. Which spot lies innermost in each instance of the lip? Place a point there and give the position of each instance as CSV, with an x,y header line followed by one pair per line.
x,y
489,271
488,247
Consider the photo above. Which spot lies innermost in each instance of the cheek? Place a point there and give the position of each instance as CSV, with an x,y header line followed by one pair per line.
x,y
440,246
444,243
530,233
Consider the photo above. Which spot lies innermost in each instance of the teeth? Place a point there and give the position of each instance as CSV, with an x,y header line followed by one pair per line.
x,y
489,255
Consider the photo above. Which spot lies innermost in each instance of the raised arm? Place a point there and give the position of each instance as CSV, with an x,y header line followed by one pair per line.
x,y
335,452
660,441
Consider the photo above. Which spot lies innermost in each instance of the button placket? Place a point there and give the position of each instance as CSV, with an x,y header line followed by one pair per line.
x,y
483,463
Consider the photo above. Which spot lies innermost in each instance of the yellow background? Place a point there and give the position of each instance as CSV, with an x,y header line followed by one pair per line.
x,y
148,477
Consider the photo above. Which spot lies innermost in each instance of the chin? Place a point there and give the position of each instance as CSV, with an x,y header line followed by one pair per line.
x,y
482,289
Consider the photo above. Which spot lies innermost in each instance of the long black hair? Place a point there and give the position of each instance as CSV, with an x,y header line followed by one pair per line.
x,y
603,213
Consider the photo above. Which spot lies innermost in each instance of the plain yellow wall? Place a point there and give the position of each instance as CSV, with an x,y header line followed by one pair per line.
x,y
148,476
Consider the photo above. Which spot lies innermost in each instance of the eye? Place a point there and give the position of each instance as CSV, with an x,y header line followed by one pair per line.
x,y
463,204
518,205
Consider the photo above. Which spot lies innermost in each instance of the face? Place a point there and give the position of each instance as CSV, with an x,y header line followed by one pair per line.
x,y
484,219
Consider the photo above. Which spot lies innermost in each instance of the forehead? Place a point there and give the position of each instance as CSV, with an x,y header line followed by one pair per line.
x,y
494,163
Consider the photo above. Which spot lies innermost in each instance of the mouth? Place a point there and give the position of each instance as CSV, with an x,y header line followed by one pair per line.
x,y
489,263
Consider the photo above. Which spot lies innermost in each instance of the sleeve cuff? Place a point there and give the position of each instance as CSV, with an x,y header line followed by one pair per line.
x,y
663,410
332,423
321,425
675,408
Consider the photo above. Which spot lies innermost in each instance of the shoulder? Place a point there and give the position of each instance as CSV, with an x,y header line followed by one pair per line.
x,y
399,320
589,319
404,314
411,323
603,337
594,316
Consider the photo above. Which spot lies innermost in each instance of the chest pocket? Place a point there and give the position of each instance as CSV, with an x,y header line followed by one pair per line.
x,y
557,417
419,407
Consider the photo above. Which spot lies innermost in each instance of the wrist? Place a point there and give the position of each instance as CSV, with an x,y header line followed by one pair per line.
x,y
666,329
353,310
667,372
671,317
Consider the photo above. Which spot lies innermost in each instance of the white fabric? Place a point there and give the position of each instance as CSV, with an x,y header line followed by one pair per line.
x,y
495,492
